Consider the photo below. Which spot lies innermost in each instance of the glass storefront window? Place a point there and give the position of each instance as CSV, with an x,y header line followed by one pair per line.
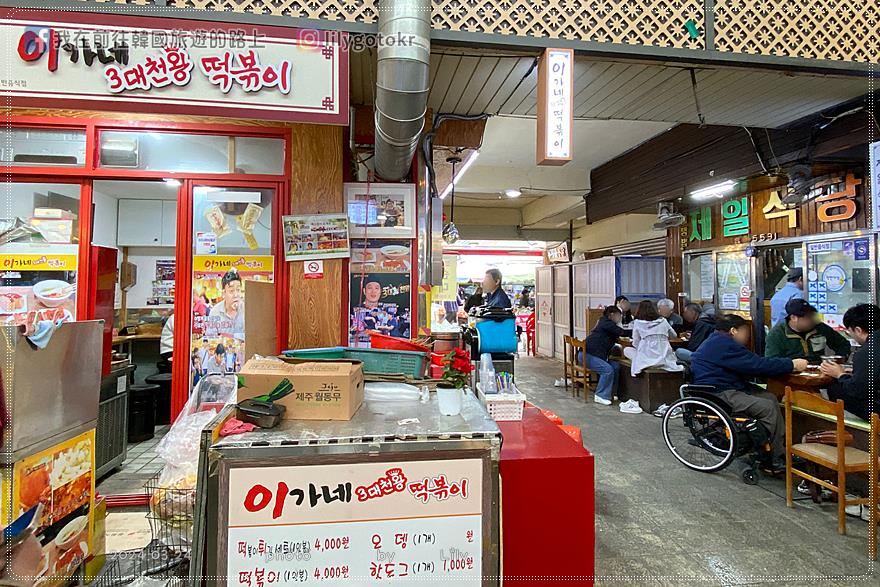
x,y
734,282
232,244
259,155
42,147
839,276
701,278
158,151
39,265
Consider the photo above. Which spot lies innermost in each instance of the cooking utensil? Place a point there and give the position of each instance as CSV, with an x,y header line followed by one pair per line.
x,y
261,413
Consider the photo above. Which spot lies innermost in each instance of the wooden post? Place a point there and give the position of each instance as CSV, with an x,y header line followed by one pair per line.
x,y
316,305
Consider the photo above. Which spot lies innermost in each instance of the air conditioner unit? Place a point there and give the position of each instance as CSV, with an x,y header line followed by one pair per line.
x,y
119,153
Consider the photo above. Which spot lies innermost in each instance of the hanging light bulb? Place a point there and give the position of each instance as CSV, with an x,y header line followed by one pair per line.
x,y
450,232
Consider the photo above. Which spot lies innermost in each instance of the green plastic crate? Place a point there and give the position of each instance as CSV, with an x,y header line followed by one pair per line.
x,y
323,353
382,361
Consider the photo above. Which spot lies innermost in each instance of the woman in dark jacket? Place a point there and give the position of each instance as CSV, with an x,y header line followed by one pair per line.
x,y
475,300
599,344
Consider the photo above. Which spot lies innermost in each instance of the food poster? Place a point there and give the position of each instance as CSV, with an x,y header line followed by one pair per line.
x,y
354,523
380,256
44,283
839,276
227,220
163,286
320,236
218,310
379,302
61,478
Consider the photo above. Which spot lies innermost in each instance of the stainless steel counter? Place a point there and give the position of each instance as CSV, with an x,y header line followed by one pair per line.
x,y
51,393
409,433
376,422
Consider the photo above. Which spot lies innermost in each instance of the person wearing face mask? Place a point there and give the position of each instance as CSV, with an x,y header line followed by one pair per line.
x,y
801,335
599,344
859,389
724,362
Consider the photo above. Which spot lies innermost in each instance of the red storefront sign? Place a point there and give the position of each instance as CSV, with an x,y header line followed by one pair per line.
x,y
75,60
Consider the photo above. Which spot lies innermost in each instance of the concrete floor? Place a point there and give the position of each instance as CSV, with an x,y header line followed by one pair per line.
x,y
659,523
140,465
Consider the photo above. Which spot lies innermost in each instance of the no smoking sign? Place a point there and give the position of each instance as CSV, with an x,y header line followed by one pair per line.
x,y
313,269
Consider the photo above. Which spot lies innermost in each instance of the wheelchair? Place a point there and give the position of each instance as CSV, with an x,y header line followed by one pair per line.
x,y
704,434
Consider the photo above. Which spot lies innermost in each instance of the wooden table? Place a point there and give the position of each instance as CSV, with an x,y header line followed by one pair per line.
x,y
675,343
807,381
117,340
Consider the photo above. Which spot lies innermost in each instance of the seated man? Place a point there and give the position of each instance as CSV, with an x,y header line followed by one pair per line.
x,y
802,336
666,309
859,390
724,362
703,326
599,344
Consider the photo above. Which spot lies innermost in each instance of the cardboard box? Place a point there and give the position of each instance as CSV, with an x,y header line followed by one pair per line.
x,y
326,390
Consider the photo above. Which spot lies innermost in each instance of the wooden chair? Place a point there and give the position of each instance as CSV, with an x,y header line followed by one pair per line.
x,y
592,316
842,459
575,370
531,340
874,487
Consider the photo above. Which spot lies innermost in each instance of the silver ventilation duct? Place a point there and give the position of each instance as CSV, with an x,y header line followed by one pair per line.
x,y
402,83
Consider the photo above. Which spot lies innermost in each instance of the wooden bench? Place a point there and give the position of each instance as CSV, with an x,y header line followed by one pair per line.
x,y
651,388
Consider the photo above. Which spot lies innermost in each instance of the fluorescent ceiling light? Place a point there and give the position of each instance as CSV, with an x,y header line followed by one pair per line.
x,y
717,190
171,181
460,173
512,193
234,197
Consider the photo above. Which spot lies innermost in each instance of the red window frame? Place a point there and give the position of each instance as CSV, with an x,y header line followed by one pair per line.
x,y
85,175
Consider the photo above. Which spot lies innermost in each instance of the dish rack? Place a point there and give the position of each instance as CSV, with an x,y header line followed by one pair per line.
x,y
503,407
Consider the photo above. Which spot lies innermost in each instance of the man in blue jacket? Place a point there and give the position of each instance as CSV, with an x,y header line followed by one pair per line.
x,y
724,362
791,290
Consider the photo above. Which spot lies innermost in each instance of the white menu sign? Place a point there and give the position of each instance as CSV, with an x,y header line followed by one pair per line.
x,y
407,521
555,109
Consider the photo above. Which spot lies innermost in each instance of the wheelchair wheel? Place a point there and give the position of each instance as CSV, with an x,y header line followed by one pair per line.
x,y
698,433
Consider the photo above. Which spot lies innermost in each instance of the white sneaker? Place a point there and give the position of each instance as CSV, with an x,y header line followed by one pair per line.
x,y
601,400
630,407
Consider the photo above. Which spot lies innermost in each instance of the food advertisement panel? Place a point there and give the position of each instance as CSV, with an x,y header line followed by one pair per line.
x,y
62,479
37,282
320,236
218,309
355,523
381,256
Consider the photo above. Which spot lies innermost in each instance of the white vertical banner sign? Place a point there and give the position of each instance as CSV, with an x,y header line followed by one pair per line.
x,y
555,108
874,183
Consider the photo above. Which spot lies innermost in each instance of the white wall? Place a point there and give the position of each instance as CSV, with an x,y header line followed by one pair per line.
x,y
619,230
145,259
106,215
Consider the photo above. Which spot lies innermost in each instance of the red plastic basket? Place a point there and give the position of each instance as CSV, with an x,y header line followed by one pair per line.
x,y
389,343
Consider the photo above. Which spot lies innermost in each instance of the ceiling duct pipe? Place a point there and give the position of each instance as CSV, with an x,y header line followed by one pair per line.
x,y
402,83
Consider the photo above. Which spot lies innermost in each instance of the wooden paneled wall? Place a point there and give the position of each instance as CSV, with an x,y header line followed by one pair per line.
x,y
316,305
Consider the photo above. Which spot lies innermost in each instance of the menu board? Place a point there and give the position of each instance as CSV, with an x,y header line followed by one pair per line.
x,y
406,521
